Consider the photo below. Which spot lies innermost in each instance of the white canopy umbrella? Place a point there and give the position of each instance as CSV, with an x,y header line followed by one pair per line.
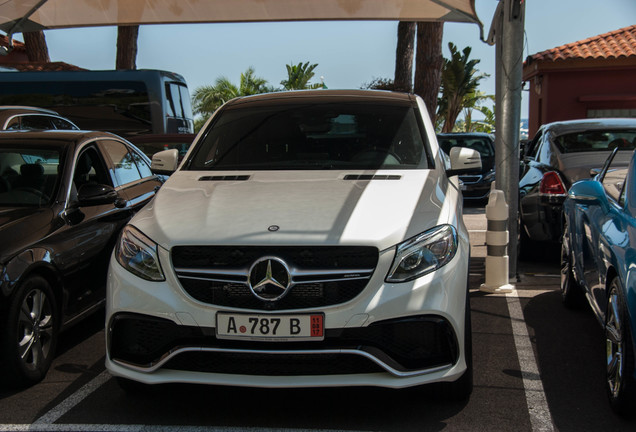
x,y
29,15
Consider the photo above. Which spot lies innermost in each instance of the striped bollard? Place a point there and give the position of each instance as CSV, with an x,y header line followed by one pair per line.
x,y
497,245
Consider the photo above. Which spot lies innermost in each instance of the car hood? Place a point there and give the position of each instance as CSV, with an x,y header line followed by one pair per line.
x,y
309,207
22,226
577,166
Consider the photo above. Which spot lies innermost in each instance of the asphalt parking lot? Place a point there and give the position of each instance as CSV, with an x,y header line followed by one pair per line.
x,y
538,367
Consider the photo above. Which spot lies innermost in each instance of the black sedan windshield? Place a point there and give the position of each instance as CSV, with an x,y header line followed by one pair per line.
x,y
28,176
312,136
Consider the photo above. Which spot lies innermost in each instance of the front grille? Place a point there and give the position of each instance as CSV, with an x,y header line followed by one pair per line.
x,y
300,296
273,364
470,179
310,258
320,276
407,344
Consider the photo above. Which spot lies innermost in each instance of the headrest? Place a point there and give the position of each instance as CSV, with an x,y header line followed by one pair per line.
x,y
31,170
84,164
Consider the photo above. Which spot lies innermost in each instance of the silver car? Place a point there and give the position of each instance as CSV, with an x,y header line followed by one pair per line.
x,y
32,118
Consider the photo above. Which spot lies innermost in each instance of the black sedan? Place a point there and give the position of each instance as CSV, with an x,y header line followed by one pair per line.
x,y
560,154
475,186
64,196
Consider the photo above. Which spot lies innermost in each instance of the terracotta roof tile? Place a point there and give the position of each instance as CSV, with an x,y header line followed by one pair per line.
x,y
43,66
614,44
17,45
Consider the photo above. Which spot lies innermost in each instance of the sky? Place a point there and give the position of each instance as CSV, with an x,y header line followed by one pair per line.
x,y
349,54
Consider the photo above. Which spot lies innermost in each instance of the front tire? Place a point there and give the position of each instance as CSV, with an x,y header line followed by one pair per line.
x,y
619,353
30,337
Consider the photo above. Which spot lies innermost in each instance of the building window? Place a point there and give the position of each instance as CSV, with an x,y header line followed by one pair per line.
x,y
604,113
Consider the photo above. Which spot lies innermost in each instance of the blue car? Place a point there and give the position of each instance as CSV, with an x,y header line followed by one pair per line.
x,y
598,262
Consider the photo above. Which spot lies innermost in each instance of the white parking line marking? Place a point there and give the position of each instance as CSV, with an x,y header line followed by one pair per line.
x,y
46,423
540,417
67,404
144,428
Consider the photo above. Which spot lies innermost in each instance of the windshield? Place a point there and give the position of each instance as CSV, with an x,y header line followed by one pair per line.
x,y
599,140
28,176
312,136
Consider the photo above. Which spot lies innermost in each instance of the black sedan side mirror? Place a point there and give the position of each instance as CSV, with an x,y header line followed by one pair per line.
x,y
92,194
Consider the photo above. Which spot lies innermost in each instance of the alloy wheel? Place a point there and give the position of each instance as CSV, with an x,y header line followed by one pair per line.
x,y
566,267
35,329
571,293
614,345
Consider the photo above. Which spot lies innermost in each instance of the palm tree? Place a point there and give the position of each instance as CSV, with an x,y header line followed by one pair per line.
x,y
404,56
459,84
428,63
127,47
36,47
472,102
298,77
206,99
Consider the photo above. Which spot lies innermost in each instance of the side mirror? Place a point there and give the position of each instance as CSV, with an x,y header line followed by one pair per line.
x,y
92,194
463,161
165,162
587,192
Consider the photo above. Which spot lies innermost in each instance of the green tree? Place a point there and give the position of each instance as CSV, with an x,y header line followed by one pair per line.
x,y
488,123
379,84
458,87
206,99
298,77
473,102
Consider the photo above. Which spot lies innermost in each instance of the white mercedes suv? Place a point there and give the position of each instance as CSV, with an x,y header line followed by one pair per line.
x,y
308,238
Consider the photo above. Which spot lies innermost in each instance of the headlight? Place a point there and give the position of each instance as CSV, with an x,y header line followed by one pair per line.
x,y
490,177
138,254
423,254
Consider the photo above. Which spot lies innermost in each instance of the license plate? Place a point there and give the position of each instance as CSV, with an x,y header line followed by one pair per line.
x,y
269,327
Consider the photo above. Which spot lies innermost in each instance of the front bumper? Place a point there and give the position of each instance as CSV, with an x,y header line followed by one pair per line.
x,y
475,187
391,335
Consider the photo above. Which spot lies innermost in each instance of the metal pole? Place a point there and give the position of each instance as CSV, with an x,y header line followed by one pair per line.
x,y
509,63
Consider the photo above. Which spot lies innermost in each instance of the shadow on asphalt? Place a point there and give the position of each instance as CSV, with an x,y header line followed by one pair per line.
x,y
570,351
234,407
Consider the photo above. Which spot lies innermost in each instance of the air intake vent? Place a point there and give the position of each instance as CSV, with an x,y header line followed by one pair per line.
x,y
371,177
225,178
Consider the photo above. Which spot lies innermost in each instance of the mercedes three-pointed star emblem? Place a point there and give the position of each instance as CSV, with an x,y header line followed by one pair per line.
x,y
269,278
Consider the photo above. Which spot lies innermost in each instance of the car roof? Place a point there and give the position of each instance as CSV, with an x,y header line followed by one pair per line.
x,y
569,126
52,137
327,96
465,134
18,109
